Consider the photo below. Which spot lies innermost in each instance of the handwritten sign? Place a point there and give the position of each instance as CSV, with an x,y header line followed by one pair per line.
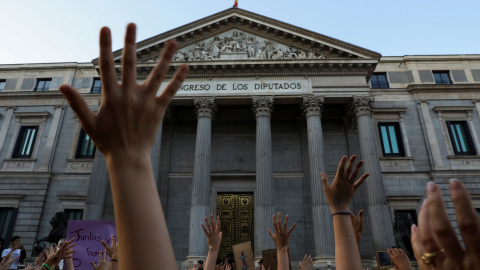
x,y
88,234
244,259
270,259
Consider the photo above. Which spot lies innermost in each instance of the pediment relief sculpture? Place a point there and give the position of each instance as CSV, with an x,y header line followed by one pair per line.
x,y
237,45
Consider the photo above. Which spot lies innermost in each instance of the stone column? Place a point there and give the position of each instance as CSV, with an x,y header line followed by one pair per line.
x,y
6,125
377,206
205,110
322,220
264,208
49,149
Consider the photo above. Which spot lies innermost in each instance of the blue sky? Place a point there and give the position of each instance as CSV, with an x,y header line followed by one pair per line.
x,y
34,31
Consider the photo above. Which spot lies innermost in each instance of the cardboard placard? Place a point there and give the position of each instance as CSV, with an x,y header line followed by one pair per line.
x,y
383,258
269,257
88,234
244,259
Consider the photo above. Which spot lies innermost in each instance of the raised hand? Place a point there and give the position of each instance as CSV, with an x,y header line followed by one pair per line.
x,y
54,255
399,259
29,267
340,193
307,262
282,235
42,257
435,243
113,248
129,115
357,224
103,262
213,233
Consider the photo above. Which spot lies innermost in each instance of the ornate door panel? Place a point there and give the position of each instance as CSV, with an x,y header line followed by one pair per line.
x,y
236,218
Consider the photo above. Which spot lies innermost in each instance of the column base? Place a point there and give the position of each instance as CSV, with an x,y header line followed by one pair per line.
x,y
324,263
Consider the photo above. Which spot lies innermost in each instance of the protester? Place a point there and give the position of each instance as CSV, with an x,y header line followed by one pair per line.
x,y
54,255
434,241
112,251
399,259
124,130
13,252
214,239
339,196
281,239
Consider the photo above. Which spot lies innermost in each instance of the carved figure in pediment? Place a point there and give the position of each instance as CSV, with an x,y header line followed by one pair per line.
x,y
290,53
301,55
179,56
269,49
278,54
261,54
251,47
311,55
237,42
322,56
190,55
216,47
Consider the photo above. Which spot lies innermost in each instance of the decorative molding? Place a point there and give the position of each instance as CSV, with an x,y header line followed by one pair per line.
x,y
390,110
312,105
205,107
454,108
449,88
262,106
362,105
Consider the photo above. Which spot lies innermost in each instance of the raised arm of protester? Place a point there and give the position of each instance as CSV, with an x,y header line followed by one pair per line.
x,y
103,261
399,259
112,251
307,262
69,260
55,255
214,239
281,239
339,195
124,130
357,224
40,259
7,262
435,243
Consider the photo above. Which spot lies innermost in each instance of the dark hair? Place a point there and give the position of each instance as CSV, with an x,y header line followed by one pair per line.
x,y
14,238
261,261
200,262
231,261
23,255
219,261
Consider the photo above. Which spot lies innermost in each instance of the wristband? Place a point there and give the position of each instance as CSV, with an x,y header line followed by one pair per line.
x,y
46,266
114,260
342,213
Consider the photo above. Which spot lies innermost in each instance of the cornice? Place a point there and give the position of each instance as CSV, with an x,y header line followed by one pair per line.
x,y
271,68
470,87
453,108
243,17
390,110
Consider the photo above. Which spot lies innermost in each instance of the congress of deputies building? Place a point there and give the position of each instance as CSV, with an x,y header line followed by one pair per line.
x,y
266,108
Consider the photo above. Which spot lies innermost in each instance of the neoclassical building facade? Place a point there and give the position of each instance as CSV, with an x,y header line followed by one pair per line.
x,y
266,108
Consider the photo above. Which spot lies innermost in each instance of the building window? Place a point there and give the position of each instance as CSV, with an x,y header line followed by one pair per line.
x,y
25,142
379,81
85,146
42,85
404,219
441,77
477,210
392,143
461,138
8,215
96,86
74,214
2,84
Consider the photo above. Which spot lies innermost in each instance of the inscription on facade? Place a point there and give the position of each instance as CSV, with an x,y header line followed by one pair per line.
x,y
252,87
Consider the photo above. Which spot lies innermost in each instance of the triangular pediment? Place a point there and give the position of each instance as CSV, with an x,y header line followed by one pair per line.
x,y
236,34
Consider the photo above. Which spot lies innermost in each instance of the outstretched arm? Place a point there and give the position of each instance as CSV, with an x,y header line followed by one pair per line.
x,y
214,239
339,195
281,239
124,130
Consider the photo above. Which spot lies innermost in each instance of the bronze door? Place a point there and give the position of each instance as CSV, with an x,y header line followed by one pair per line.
x,y
236,218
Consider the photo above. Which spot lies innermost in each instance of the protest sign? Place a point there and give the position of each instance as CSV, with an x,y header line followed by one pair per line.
x,y
88,234
244,259
270,259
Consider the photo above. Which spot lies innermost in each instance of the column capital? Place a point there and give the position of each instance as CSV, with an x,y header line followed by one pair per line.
x,y
362,105
312,105
350,123
205,107
262,106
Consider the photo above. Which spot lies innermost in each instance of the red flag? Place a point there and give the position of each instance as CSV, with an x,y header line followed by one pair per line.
x,y
236,3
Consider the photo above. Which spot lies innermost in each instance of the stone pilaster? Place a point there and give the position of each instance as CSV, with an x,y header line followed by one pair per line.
x,y
264,208
377,206
322,221
205,109
97,188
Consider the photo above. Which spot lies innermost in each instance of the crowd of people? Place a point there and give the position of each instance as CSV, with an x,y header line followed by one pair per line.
x,y
124,130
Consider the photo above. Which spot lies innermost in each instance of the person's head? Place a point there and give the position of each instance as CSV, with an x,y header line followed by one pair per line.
x,y
260,262
23,255
200,264
15,241
61,241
